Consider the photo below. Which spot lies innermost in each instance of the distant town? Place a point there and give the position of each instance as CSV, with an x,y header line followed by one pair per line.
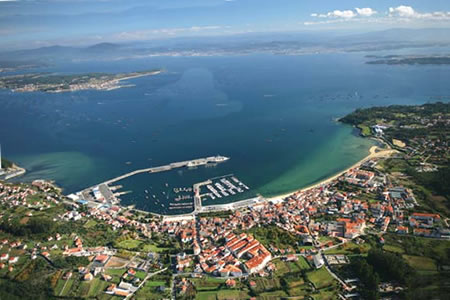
x,y
51,83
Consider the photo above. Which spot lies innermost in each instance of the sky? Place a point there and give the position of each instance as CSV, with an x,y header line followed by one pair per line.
x,y
38,23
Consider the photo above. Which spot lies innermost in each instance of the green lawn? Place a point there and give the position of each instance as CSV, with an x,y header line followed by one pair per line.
x,y
273,295
394,249
59,286
303,263
97,286
116,272
288,267
320,278
153,248
222,295
155,283
365,130
421,263
326,295
266,284
89,224
128,244
349,248
207,283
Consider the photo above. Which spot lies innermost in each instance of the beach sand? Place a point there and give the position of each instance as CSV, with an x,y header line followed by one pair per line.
x,y
374,152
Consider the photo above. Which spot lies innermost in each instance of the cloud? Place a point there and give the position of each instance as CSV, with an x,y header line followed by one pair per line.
x,y
165,32
347,14
365,12
407,12
402,11
394,15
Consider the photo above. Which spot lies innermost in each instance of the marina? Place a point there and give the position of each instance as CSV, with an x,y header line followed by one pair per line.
x,y
224,186
172,197
179,198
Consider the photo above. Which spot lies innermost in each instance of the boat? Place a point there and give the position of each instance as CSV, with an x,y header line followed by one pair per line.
x,y
204,161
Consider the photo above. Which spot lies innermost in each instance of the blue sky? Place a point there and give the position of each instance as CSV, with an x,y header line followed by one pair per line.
x,y
36,23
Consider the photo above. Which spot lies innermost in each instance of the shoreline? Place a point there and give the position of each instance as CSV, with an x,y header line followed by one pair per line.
x,y
374,152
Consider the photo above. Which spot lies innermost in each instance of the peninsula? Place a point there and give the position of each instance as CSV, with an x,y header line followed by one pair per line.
x,y
409,60
53,83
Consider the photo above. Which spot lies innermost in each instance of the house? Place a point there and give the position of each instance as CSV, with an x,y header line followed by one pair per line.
x,y
101,258
88,277
13,259
426,217
234,271
4,256
131,272
318,261
106,277
121,292
224,272
402,230
111,288
230,282
291,257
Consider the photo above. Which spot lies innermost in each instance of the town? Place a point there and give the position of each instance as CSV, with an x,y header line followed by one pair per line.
x,y
319,242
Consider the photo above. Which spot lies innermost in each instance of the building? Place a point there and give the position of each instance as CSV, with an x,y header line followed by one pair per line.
x,y
318,261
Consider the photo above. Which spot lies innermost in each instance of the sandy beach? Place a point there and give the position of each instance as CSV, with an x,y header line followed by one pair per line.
x,y
374,152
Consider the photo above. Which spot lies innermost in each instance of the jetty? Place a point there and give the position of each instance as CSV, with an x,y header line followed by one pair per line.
x,y
171,166
103,193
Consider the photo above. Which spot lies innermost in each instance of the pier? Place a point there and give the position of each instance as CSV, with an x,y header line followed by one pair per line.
x,y
174,165
103,193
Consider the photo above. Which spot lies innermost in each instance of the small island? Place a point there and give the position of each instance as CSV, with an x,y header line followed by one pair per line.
x,y
51,83
408,60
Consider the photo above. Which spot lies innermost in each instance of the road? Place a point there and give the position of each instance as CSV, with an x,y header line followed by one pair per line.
x,y
143,282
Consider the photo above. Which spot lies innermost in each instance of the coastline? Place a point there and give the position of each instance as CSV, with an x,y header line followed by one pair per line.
x,y
374,152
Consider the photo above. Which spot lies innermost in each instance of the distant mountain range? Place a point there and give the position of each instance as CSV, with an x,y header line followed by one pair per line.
x,y
290,43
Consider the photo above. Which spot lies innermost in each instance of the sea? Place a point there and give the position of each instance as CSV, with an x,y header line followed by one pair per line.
x,y
273,115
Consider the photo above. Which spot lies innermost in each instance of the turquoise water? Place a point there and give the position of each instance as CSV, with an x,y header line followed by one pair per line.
x,y
273,115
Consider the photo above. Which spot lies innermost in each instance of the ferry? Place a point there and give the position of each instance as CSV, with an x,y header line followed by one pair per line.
x,y
204,161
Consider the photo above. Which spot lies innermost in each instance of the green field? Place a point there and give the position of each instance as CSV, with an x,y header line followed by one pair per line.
x,y
350,248
275,295
116,272
320,278
283,267
365,130
325,295
129,244
153,248
90,224
394,249
421,263
266,284
207,283
222,295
